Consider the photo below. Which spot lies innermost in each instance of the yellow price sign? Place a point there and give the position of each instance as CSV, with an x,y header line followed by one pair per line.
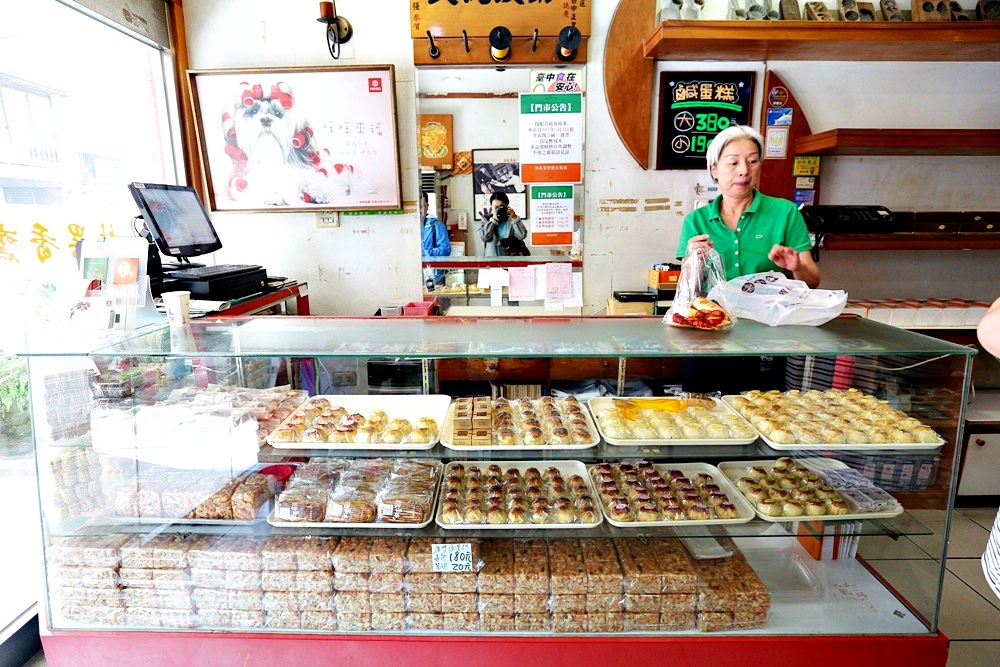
x,y
806,165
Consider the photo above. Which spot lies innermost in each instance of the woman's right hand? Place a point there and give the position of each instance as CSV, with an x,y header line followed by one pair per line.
x,y
700,244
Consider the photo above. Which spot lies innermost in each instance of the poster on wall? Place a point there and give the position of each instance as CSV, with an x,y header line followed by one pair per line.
x,y
694,107
551,215
283,139
497,170
434,131
550,137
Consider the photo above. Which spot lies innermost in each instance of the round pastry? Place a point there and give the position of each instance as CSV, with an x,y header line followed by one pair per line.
x,y
496,515
781,436
837,505
540,514
924,434
791,508
716,499
583,500
451,515
421,435
564,515
551,472
494,470
878,436
501,402
533,436
284,434
474,470
802,494
559,436
517,515
557,490
368,433
699,512
530,423
456,469
727,510
506,436
494,491
814,507
621,512
587,515
403,425
781,495
757,494
744,484
528,414
672,511
648,512
378,416
757,472
689,500
533,492
428,423
472,481
473,514
573,409
474,494
711,488
512,474
314,434
824,492
769,507
320,402
515,502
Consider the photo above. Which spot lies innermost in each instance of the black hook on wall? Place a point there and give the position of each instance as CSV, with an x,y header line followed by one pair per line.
x,y
434,51
534,41
465,37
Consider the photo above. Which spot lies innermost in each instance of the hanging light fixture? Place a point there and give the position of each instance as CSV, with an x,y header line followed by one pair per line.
x,y
338,29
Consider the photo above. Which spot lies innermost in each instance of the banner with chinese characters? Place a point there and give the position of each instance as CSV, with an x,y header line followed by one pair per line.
x,y
694,107
551,215
550,137
556,81
33,241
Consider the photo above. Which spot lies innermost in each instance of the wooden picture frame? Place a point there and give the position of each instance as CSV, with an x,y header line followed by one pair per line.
x,y
299,138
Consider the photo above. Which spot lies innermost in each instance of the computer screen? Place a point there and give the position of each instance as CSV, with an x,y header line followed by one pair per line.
x,y
176,219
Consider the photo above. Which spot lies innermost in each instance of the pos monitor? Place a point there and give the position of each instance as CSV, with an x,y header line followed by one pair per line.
x,y
176,219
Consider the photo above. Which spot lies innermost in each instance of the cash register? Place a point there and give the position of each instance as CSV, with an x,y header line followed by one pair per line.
x,y
178,224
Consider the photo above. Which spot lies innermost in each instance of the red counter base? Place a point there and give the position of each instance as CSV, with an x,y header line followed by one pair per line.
x,y
148,649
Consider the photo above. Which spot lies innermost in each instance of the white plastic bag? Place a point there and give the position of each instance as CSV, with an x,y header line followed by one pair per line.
x,y
773,299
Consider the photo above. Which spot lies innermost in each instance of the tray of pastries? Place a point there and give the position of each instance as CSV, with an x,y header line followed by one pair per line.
x,y
363,422
359,493
811,489
517,494
518,424
683,420
830,420
641,493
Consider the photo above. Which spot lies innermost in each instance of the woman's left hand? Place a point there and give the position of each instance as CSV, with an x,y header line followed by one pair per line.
x,y
785,257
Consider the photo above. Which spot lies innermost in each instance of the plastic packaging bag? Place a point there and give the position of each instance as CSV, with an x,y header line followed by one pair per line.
x,y
700,301
773,299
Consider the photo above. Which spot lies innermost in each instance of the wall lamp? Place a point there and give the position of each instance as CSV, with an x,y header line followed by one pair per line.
x,y
338,29
500,39
568,42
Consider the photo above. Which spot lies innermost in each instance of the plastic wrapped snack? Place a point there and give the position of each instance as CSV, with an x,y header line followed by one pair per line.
x,y
700,301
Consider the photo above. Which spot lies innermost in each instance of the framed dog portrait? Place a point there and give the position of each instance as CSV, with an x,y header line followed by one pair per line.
x,y
498,170
299,139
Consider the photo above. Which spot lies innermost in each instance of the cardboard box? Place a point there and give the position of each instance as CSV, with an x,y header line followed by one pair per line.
x,y
663,279
616,307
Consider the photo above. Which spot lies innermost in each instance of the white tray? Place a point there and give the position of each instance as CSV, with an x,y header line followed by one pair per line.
x,y
566,468
373,524
743,506
411,407
735,469
447,432
914,446
598,404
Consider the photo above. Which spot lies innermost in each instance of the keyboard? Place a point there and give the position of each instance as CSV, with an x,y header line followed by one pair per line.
x,y
208,272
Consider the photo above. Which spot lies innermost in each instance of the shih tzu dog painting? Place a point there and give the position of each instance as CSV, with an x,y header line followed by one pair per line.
x,y
277,159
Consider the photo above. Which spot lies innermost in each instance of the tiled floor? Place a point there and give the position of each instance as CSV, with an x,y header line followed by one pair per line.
x,y
970,613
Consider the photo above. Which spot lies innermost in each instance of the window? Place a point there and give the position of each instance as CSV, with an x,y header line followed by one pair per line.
x,y
84,110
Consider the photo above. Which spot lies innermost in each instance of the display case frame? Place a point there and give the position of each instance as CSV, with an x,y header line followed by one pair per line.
x,y
929,376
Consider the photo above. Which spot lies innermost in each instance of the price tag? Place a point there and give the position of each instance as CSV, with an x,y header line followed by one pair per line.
x,y
452,557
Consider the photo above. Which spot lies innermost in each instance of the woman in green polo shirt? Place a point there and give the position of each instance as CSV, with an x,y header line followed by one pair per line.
x,y
751,231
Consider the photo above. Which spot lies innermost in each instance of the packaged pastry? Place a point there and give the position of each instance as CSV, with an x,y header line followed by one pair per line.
x,y
302,502
700,300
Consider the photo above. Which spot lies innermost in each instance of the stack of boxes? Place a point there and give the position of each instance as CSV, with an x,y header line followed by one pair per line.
x,y
472,422
662,283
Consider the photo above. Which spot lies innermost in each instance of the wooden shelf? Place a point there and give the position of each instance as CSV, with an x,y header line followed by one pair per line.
x,y
912,241
843,141
819,40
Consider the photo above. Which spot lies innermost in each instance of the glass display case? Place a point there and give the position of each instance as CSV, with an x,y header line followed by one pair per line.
x,y
196,503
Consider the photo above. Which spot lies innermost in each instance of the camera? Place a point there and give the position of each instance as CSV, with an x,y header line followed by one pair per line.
x,y
501,214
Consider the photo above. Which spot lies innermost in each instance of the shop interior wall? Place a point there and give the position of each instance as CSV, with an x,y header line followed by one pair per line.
x,y
632,216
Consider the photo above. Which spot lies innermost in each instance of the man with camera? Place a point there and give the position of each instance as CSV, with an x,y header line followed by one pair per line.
x,y
501,230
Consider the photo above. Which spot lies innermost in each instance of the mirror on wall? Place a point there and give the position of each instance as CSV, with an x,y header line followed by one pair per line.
x,y
468,128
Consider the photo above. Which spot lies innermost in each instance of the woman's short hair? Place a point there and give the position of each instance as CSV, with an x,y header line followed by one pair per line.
x,y
727,136
500,197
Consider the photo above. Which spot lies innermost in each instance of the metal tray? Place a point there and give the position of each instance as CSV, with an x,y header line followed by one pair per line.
x,y
596,405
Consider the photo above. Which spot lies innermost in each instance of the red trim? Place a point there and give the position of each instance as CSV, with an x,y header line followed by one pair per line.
x,y
149,649
258,303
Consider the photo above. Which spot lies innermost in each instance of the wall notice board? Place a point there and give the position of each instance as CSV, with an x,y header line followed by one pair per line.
x,y
694,107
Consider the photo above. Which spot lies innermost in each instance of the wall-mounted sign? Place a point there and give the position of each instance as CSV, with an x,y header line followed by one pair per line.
x,y
550,137
436,140
551,215
694,107
555,81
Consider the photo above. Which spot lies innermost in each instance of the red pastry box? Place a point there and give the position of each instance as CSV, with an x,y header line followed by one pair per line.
x,y
423,308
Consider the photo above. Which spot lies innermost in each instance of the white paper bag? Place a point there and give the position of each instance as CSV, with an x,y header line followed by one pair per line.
x,y
773,299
